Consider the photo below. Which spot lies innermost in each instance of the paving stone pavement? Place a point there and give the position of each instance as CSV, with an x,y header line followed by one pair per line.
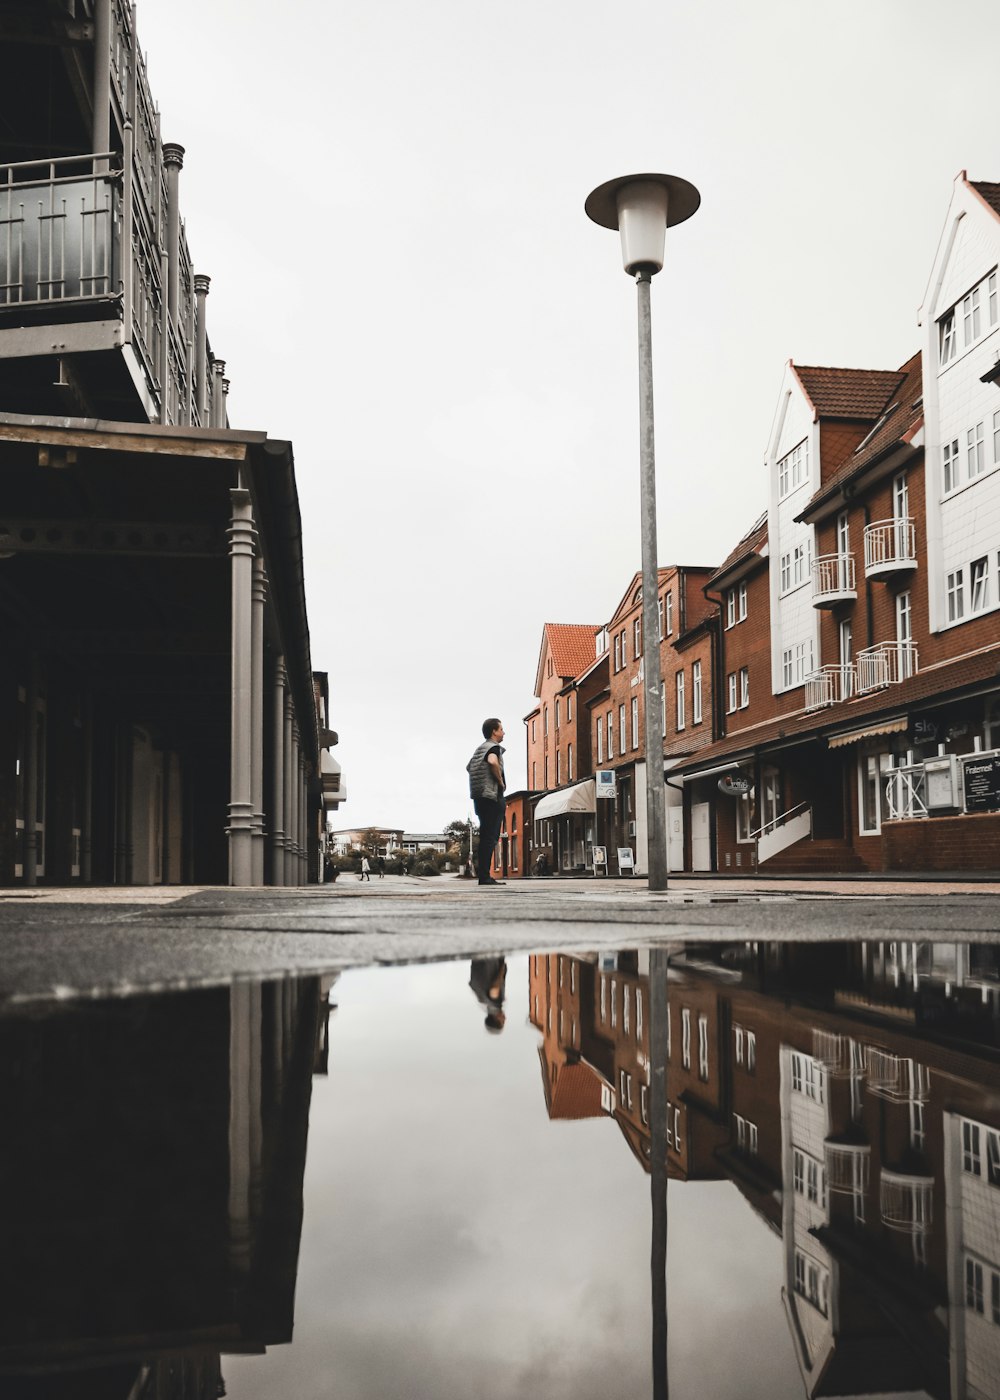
x,y
71,943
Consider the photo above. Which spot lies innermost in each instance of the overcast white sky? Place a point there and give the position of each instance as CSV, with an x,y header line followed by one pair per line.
x,y
388,198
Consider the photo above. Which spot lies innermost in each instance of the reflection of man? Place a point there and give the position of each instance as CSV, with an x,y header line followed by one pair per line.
x,y
486,788
487,981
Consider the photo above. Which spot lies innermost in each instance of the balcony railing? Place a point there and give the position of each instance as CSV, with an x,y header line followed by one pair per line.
x,y
890,546
833,580
847,1167
906,1202
889,663
828,686
896,1078
60,231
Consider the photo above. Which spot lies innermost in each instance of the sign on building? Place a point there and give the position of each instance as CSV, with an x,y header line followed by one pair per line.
x,y
605,781
981,778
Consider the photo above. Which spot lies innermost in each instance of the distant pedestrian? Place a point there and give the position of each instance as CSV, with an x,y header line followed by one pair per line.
x,y
381,867
486,788
366,870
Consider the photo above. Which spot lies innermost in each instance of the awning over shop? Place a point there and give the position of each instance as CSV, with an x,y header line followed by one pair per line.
x,y
871,731
579,798
705,772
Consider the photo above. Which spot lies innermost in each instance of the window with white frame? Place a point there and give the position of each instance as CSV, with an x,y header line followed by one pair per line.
x,y
730,607
569,762
741,602
600,739
618,652
731,686
622,734
569,708
703,1047
807,1077
996,438
904,628
793,469
786,573
739,1039
971,319
611,734
979,585
751,1052
557,711
900,498
991,297
635,721
955,595
796,663
670,613
843,533
696,692
679,683
744,687
686,1037
545,720
614,1002
812,1282
637,637
663,707
533,733
744,826
800,566
558,767
949,465
626,1008
787,669
947,341
659,615
975,451
638,1013
972,1161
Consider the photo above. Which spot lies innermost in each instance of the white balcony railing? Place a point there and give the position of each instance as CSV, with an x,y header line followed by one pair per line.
x,y
906,1202
847,1167
829,685
906,791
889,663
833,580
890,545
895,1077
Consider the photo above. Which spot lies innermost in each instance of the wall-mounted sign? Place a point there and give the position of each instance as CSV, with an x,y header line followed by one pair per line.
x,y
981,777
924,730
604,779
735,785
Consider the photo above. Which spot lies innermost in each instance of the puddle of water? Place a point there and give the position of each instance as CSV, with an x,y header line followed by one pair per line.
x,y
357,1187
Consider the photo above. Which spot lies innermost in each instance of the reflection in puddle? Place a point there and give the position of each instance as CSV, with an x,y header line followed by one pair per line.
x,y
487,1181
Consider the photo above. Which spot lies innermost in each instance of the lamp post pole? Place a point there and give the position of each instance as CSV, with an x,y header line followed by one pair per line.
x,y
641,208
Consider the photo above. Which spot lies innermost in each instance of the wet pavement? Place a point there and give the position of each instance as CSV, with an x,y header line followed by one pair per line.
x,y
743,1149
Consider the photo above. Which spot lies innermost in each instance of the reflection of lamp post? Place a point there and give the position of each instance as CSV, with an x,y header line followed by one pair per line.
x,y
642,207
659,1044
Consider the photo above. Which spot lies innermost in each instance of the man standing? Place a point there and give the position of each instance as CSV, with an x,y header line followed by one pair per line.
x,y
486,787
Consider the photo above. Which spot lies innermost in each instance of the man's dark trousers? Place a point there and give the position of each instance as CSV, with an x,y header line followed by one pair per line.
x,y
490,816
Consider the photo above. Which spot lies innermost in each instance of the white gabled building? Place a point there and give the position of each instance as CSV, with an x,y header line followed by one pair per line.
x,y
960,317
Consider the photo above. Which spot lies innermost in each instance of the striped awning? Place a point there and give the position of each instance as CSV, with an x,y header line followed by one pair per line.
x,y
871,731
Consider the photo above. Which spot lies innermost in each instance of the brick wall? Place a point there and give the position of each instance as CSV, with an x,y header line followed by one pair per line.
x,y
943,843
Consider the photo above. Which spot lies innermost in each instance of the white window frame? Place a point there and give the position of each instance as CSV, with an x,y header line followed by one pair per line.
x,y
686,1037
696,714
670,612
637,638
975,451
622,731
954,587
730,607
947,339
679,690
611,734
949,467
635,721
744,687
703,1048
979,585
731,687
741,608
600,739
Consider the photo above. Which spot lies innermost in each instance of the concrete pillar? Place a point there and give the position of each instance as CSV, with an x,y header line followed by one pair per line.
x,y
173,160
201,286
245,1129
278,774
31,777
259,593
303,821
240,829
101,126
289,804
218,401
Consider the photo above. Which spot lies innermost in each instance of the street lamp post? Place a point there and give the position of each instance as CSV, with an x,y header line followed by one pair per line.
x,y
642,208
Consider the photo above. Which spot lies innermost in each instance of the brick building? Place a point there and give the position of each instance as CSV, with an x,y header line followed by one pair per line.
x,y
831,700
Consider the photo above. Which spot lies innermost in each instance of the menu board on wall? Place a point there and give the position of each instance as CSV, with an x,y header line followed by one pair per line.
x,y
981,776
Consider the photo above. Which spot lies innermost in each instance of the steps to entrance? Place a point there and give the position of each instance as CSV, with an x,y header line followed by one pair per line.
x,y
828,856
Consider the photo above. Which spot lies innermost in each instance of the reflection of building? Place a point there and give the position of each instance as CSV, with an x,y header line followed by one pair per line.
x,y
849,1092
153,1155
159,721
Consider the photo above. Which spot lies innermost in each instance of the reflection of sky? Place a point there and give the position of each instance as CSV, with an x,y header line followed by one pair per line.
x,y
457,1243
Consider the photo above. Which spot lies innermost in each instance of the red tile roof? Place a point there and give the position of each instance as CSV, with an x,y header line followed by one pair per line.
x,y
901,416
571,646
847,393
749,547
988,191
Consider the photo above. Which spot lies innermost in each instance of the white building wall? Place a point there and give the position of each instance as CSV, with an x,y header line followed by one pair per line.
x,y
965,525
794,620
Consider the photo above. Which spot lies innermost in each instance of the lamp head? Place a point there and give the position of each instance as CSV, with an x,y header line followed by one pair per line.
x,y
642,208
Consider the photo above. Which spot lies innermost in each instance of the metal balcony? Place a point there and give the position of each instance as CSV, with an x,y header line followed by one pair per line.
x,y
828,686
889,663
896,1078
890,547
847,1167
833,580
906,1202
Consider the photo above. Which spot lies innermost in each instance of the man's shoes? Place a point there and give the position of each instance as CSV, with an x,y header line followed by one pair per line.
x,y
491,881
